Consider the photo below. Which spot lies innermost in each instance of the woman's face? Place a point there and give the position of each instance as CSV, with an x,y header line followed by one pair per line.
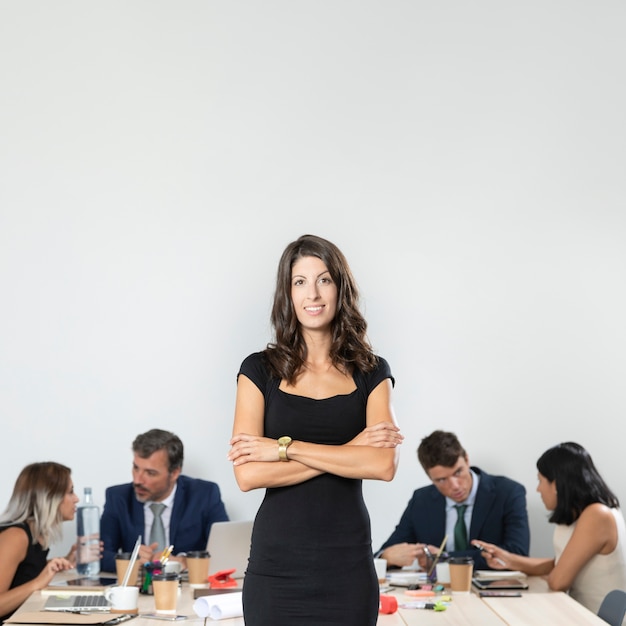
x,y
547,491
313,293
68,504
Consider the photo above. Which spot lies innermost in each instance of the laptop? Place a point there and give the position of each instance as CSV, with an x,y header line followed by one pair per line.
x,y
78,603
229,547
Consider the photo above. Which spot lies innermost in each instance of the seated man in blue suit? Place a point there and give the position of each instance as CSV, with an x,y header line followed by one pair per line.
x,y
161,504
494,507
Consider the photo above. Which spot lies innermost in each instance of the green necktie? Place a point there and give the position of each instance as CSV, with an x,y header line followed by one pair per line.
x,y
460,532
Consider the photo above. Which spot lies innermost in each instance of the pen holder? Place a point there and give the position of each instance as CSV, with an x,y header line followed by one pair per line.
x,y
148,570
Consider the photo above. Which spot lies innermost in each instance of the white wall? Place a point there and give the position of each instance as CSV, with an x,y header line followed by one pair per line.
x,y
156,157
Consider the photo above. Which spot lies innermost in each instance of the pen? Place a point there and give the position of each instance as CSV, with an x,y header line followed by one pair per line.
x,y
166,554
121,618
483,549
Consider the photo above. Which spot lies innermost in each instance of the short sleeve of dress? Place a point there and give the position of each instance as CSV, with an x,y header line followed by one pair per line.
x,y
370,380
254,368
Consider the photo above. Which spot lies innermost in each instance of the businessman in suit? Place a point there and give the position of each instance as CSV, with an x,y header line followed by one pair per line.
x,y
161,505
493,508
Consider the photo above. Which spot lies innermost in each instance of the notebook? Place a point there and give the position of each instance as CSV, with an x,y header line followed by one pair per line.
x,y
229,547
79,603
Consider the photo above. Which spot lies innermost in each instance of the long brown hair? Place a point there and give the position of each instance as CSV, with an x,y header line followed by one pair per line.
x,y
37,496
350,347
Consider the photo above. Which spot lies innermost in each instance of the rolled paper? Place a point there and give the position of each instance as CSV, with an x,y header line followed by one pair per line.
x,y
220,606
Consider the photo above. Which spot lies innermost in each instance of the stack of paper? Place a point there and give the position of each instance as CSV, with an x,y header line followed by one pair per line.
x,y
404,579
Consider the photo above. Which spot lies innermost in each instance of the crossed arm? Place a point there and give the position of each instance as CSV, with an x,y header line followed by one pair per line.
x,y
371,454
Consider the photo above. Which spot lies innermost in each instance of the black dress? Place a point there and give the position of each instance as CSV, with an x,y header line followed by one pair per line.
x,y
311,555
32,565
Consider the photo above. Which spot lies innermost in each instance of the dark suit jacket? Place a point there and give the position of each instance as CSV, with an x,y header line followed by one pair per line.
x,y
499,517
197,504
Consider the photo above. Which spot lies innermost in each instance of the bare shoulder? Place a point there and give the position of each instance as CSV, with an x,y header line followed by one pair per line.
x,y
14,539
596,514
14,533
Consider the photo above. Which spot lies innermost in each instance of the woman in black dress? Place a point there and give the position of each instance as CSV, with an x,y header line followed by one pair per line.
x,y
43,498
313,418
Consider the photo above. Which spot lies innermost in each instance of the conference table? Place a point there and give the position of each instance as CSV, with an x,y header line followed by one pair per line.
x,y
537,607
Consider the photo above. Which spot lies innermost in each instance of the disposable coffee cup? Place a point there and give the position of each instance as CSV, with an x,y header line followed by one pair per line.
x,y
461,569
380,565
122,560
165,588
198,568
123,599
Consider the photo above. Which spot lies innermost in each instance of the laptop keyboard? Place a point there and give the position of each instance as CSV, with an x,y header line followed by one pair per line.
x,y
90,601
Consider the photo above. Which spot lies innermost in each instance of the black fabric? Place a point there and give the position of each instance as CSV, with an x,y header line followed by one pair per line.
x,y
32,565
311,557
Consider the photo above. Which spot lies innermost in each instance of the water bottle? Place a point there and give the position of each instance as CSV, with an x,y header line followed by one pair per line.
x,y
88,537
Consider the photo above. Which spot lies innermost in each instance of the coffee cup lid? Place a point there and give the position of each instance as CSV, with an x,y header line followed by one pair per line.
x,y
198,554
166,576
461,560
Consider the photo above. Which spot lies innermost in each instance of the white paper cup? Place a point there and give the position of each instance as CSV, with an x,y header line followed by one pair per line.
x,y
443,573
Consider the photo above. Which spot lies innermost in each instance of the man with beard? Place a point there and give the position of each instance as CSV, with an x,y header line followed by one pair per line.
x,y
161,505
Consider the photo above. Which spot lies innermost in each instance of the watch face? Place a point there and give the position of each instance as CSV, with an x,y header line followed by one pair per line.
x,y
283,441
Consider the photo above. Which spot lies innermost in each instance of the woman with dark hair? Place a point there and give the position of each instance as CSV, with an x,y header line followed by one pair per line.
x,y
43,498
590,536
313,418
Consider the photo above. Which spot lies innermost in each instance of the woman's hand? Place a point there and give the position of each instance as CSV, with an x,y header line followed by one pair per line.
x,y
497,558
381,435
54,566
245,448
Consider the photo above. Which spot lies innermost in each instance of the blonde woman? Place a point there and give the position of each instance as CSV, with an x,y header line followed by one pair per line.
x,y
43,498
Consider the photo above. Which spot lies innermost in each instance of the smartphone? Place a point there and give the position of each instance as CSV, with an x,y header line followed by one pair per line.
x,y
167,618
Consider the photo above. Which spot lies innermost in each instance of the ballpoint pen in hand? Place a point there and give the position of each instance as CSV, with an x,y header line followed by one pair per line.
x,y
483,549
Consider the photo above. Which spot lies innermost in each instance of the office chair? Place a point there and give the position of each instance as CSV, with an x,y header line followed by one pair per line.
x,y
613,607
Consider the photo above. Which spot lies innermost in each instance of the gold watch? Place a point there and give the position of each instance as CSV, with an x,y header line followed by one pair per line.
x,y
283,444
